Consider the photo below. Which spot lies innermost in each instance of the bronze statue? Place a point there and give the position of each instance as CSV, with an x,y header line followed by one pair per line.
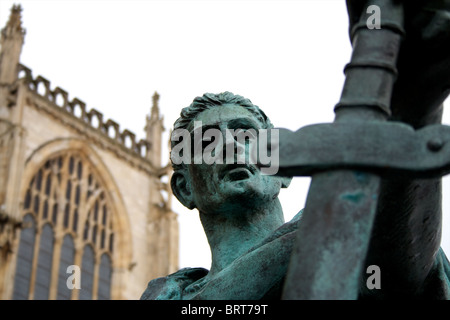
x,y
361,211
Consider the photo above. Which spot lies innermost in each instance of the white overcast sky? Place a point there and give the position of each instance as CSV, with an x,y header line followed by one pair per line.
x,y
285,56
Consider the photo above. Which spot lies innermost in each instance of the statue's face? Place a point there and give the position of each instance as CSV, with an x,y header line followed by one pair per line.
x,y
230,187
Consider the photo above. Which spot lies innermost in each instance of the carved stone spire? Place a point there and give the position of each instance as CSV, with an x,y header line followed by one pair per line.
x,y
154,129
11,41
155,106
15,19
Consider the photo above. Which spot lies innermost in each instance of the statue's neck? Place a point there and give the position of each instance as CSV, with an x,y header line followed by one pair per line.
x,y
231,235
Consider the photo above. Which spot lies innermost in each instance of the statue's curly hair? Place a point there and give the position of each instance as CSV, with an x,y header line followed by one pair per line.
x,y
210,100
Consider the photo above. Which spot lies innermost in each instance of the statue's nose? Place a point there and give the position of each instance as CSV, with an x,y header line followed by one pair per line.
x,y
232,149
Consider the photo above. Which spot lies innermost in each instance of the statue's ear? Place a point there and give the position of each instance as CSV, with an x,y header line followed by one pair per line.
x,y
285,181
181,188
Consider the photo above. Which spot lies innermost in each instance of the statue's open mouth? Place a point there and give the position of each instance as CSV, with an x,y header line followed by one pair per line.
x,y
236,172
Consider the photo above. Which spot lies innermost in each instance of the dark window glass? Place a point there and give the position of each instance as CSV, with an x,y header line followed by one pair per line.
x,y
111,242
87,273
68,190
66,215
66,260
104,280
24,259
27,202
75,220
44,266
45,210
55,213
105,212
39,180
48,184
36,205
79,170
71,163
77,195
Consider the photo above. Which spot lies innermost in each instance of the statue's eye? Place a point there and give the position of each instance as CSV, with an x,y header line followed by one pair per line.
x,y
207,141
246,134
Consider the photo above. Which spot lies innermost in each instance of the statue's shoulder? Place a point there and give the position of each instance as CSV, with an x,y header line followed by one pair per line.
x,y
171,287
286,229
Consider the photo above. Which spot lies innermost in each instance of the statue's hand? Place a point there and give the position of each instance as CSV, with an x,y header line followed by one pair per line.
x,y
172,286
424,62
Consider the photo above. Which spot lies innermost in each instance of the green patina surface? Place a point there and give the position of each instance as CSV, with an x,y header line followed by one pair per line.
x,y
353,197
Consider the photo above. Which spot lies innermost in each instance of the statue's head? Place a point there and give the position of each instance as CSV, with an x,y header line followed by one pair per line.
x,y
211,125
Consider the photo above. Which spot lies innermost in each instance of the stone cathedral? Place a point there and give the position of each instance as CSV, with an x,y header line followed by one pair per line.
x,y
85,208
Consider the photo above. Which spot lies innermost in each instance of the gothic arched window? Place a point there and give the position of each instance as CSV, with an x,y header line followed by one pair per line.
x,y
68,221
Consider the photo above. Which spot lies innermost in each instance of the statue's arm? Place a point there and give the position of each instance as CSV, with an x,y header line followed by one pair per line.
x,y
405,240
423,81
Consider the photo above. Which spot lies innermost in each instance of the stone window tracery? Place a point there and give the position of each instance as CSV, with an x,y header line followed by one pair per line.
x,y
68,220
